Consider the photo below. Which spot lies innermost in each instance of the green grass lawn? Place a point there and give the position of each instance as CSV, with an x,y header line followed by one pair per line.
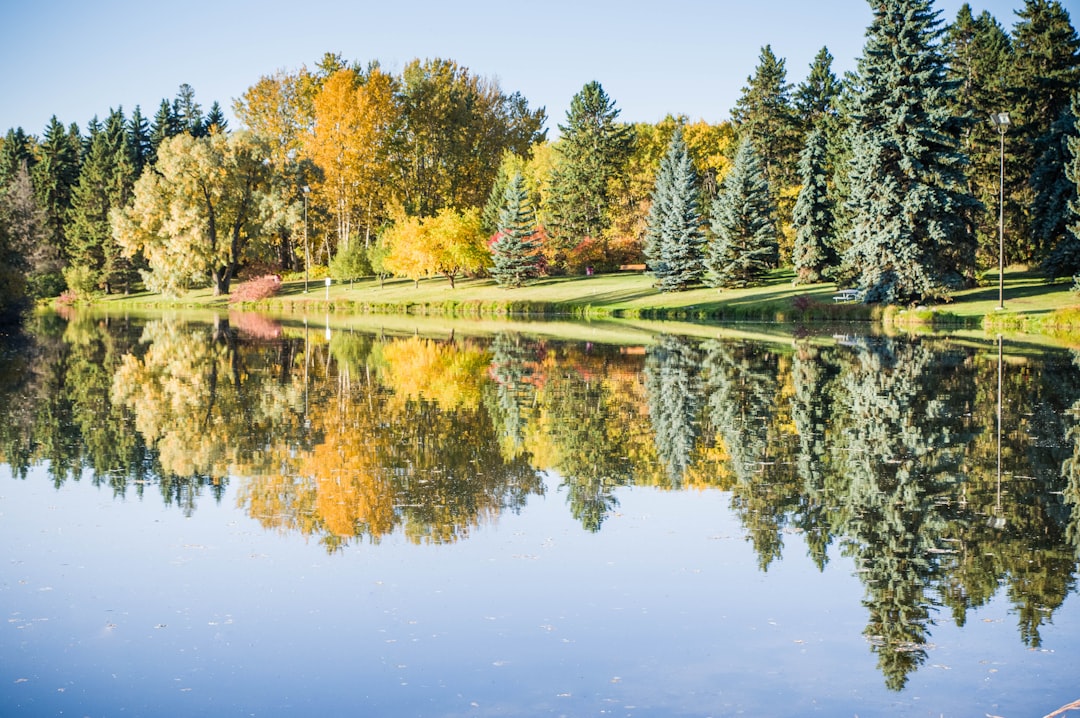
x,y
1029,301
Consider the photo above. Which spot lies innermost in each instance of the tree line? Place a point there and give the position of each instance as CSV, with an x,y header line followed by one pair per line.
x,y
885,179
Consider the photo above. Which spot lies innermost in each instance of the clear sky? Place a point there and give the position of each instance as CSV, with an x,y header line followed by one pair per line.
x,y
79,59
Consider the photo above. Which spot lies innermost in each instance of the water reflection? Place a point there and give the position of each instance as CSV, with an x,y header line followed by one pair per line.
x,y
948,471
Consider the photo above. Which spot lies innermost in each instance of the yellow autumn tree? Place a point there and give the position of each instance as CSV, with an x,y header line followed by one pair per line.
x,y
356,120
449,244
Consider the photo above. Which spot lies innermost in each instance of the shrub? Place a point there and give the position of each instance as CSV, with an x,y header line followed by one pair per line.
x,y
262,288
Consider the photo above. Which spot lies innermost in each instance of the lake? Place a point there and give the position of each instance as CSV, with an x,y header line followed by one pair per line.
x,y
249,516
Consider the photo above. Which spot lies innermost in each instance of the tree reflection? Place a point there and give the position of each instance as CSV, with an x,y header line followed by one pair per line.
x,y
884,449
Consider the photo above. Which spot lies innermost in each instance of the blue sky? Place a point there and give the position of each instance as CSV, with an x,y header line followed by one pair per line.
x,y
79,59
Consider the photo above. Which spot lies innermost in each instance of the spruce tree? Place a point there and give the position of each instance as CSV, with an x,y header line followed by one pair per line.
x,y
142,148
188,112
744,243
674,238
1043,75
765,115
54,176
592,151
215,119
911,235
165,125
815,97
976,50
814,254
105,182
1064,195
16,153
514,251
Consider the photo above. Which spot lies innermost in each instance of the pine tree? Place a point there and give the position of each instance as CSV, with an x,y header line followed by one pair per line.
x,y
164,126
976,49
1054,193
105,182
674,238
814,254
593,150
1043,75
765,115
911,236
1064,259
188,112
815,97
673,385
215,119
744,244
514,251
16,152
142,148
54,177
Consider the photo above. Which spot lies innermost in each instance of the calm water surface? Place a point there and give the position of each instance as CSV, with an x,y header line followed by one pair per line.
x,y
242,518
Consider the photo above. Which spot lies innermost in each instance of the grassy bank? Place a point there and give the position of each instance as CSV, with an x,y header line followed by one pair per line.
x,y
1031,305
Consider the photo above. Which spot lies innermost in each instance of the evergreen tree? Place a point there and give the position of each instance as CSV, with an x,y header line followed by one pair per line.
x,y
813,255
164,126
188,112
1044,73
744,244
911,236
593,150
54,176
142,148
764,114
674,238
1055,193
815,97
976,49
16,152
514,251
105,182
673,383
215,119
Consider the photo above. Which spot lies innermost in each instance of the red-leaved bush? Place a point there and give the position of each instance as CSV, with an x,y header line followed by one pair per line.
x,y
261,288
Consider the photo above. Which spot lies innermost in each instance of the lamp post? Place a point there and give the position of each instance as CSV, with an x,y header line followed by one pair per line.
x,y
307,255
1001,122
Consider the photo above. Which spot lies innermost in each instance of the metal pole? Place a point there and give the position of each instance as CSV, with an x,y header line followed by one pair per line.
x,y
1001,227
307,258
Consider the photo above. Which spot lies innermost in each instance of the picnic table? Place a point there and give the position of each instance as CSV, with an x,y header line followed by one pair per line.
x,y
847,295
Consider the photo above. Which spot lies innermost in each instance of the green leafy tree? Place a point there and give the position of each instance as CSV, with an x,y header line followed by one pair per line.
x,y
22,228
675,238
456,128
593,150
515,250
911,237
195,218
814,254
744,243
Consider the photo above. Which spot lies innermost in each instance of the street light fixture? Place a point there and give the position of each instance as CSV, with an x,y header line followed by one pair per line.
x,y
307,254
1001,122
